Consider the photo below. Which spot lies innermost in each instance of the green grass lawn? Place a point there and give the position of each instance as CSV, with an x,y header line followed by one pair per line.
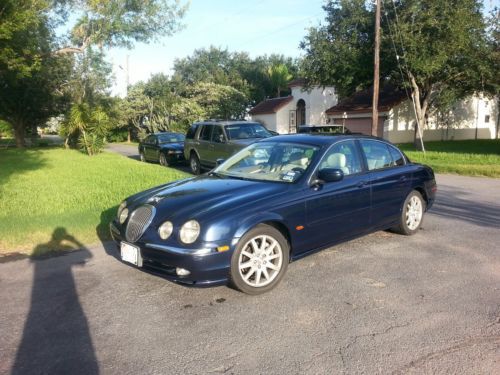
x,y
48,188
472,158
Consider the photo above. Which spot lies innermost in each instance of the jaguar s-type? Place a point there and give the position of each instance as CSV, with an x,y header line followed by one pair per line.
x,y
272,203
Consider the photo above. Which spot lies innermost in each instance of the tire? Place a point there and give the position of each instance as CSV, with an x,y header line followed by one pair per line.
x,y
142,157
412,214
251,270
163,160
194,163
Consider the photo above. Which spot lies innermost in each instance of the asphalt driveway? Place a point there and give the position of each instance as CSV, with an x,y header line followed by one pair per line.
x,y
380,304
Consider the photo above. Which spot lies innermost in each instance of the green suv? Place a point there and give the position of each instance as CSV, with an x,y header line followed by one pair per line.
x,y
208,141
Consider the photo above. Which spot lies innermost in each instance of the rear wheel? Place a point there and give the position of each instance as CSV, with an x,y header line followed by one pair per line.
x,y
412,214
194,163
142,157
163,160
260,260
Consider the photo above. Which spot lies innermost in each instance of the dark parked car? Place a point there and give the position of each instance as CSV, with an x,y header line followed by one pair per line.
x,y
165,148
211,140
273,202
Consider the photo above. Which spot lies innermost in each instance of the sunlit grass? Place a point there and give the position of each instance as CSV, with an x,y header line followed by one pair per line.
x,y
45,189
472,158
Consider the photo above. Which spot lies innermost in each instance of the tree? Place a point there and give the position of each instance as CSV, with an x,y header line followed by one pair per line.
x,y
235,69
430,47
219,101
279,76
118,23
30,49
89,125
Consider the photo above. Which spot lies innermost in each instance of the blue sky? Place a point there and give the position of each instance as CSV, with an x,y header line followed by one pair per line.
x,y
258,27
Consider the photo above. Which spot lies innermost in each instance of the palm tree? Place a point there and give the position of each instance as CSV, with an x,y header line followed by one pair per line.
x,y
279,77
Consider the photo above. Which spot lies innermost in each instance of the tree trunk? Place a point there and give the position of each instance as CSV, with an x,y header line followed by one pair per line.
x,y
129,135
19,133
420,106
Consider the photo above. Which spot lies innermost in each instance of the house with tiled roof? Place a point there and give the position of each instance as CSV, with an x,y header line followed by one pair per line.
x,y
475,117
301,107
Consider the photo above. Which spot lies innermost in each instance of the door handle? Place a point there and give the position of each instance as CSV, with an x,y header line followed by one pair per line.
x,y
403,178
361,184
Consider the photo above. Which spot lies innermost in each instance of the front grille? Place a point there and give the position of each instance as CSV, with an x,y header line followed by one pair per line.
x,y
139,222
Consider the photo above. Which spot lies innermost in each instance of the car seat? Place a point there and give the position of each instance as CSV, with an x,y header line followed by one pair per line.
x,y
337,161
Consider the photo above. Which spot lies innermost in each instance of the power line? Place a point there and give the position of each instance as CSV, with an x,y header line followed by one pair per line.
x,y
276,31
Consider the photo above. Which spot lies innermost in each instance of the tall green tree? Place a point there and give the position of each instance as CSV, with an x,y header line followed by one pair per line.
x,y
30,49
279,77
430,47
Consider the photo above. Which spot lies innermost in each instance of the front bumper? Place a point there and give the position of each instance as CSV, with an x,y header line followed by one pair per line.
x,y
206,266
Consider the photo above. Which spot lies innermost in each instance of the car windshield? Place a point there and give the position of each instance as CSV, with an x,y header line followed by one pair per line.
x,y
269,161
243,131
171,138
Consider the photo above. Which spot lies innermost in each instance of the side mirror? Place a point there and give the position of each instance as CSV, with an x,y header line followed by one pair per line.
x,y
331,174
219,162
221,139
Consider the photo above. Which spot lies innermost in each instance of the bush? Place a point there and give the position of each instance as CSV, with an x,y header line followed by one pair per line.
x,y
117,135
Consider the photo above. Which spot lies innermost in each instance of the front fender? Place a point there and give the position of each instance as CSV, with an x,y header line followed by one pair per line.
x,y
256,219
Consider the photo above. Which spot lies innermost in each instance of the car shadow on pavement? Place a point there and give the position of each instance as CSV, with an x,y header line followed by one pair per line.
x,y
453,203
56,337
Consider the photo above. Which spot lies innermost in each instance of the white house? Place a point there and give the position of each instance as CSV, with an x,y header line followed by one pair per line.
x,y
284,114
473,118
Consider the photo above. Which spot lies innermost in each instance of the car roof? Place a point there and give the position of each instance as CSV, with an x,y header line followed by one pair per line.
x,y
226,122
317,140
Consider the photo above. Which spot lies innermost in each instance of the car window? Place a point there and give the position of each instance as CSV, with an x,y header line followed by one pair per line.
x,y
192,131
377,154
150,140
270,161
218,134
247,130
343,156
170,138
397,156
206,133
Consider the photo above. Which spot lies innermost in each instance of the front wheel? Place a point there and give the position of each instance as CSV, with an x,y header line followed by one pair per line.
x,y
194,163
163,160
260,260
412,214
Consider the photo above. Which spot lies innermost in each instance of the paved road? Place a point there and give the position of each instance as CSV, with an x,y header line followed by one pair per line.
x,y
380,304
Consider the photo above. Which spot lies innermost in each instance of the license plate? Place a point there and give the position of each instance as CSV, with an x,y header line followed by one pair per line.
x,y
130,254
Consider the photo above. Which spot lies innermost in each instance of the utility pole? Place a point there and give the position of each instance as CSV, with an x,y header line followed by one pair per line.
x,y
376,72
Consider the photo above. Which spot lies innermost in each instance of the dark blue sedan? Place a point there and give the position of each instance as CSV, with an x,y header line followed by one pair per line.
x,y
273,202
166,148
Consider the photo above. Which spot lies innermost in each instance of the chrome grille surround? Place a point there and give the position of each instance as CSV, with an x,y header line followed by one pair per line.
x,y
139,221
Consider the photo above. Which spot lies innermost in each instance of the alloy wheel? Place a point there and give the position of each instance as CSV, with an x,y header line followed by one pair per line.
x,y
260,261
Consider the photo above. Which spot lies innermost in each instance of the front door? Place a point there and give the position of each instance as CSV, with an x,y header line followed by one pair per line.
x,y
204,144
339,210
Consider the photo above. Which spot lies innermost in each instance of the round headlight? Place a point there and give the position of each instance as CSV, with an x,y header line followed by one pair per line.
x,y
190,231
120,209
165,230
123,215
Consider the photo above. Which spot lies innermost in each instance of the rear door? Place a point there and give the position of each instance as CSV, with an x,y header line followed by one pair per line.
x,y
390,181
339,210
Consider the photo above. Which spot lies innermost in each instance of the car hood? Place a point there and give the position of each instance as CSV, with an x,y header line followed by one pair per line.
x,y
203,196
172,146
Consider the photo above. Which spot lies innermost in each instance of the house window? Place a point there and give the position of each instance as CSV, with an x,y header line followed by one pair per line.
x,y
487,118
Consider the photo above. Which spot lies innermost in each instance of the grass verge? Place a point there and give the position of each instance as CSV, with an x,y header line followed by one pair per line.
x,y
470,158
47,192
